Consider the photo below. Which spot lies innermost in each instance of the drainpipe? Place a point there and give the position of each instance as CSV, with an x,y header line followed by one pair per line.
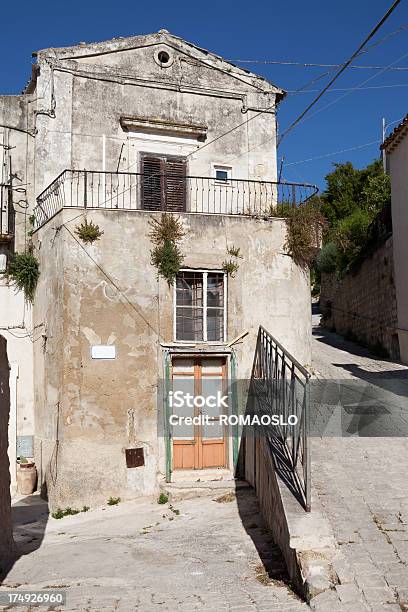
x,y
234,409
166,408
103,167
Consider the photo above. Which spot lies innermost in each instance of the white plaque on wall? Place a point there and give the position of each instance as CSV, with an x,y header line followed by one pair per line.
x,y
103,351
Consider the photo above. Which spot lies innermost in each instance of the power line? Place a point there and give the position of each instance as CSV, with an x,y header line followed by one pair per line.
x,y
341,70
359,51
368,48
303,161
311,64
355,88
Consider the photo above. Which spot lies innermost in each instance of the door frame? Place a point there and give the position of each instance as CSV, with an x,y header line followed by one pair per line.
x,y
198,440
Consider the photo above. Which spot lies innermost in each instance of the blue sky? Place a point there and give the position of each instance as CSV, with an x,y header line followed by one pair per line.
x,y
319,31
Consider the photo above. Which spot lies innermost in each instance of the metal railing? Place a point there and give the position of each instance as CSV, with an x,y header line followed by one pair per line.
x,y
174,193
280,386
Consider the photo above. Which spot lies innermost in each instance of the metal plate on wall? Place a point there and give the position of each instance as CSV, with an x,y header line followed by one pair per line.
x,y
134,457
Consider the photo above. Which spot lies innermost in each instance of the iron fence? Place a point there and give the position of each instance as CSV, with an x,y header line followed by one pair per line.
x,y
280,386
167,192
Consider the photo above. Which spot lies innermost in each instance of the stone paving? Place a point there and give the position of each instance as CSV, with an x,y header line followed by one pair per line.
x,y
198,554
362,484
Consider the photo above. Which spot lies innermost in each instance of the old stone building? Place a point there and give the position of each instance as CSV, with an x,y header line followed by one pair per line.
x,y
396,149
116,133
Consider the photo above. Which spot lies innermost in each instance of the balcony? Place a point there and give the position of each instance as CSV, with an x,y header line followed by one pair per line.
x,y
173,193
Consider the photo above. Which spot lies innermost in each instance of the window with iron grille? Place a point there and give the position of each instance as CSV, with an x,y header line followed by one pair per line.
x,y
163,182
200,306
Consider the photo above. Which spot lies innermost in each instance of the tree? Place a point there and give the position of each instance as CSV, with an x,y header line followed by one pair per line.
x,y
352,203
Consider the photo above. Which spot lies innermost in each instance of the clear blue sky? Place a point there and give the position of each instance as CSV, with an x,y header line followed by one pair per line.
x,y
320,31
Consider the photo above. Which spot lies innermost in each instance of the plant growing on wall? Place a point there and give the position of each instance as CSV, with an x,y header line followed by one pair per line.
x,y
88,232
304,225
165,235
231,266
24,271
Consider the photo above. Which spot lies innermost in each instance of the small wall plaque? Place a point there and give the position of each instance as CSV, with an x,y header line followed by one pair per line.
x,y
103,351
134,457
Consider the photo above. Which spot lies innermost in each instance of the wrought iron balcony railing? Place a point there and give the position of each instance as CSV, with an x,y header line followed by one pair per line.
x,y
166,192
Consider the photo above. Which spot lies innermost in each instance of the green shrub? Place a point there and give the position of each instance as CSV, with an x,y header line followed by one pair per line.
x,y
230,267
167,228
165,235
326,259
70,511
58,514
24,271
88,232
163,498
113,501
350,236
167,258
304,228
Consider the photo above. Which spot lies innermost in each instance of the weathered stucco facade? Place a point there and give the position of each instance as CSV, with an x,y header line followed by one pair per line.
x,y
97,111
89,412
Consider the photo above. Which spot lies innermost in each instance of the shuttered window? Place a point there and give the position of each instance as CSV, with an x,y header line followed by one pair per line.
x,y
163,183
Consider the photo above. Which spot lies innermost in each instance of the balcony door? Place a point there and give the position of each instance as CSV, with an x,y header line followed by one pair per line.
x,y
199,446
163,182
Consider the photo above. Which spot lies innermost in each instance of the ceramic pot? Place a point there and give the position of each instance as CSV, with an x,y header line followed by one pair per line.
x,y
26,478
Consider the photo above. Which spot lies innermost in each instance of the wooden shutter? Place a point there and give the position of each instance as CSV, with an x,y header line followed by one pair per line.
x,y
152,183
164,183
175,185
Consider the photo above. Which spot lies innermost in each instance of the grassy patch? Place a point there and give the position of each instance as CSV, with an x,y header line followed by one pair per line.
x,y
163,498
59,513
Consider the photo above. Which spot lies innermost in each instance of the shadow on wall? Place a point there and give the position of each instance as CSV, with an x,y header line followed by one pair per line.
x,y
272,566
29,517
26,520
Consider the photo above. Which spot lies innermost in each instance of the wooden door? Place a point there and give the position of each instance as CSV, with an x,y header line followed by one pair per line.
x,y
200,446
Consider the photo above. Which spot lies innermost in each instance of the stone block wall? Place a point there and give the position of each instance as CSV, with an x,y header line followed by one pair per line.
x,y
362,305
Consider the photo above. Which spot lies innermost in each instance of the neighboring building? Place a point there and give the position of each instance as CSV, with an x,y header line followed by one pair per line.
x,y
124,130
396,148
17,154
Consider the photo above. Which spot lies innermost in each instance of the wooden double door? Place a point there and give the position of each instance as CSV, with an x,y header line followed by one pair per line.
x,y
202,445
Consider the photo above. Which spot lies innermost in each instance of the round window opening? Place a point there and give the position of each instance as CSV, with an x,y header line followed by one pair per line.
x,y
163,58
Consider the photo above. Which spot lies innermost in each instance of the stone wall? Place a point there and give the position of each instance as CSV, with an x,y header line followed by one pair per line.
x,y
305,538
6,534
362,305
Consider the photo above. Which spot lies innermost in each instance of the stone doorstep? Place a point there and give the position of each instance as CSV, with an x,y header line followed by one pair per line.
x,y
178,491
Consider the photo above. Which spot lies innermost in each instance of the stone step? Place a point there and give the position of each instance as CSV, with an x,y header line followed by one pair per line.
x,y
178,491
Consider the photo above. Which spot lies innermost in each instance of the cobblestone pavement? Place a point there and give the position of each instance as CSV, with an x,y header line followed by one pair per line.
x,y
198,554
362,483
